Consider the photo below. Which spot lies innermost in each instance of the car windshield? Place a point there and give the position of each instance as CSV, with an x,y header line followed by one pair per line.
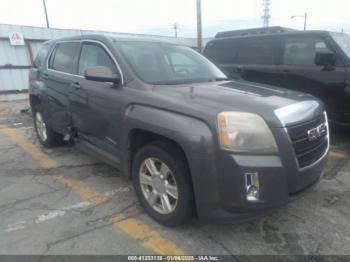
x,y
161,63
343,40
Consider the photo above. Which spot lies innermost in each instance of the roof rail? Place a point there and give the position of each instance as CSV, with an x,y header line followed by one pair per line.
x,y
255,31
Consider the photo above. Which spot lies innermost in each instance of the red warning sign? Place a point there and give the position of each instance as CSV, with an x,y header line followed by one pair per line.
x,y
16,38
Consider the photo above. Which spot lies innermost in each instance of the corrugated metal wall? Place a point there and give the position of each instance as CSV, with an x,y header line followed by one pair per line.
x,y
15,61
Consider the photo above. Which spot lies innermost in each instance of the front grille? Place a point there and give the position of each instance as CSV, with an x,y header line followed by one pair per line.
x,y
308,152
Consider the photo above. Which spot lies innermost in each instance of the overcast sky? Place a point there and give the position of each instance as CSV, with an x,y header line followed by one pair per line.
x,y
158,16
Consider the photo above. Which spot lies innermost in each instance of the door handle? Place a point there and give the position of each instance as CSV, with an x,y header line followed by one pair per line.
x,y
285,71
76,85
45,76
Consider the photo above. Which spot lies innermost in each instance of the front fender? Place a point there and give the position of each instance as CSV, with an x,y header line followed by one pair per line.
x,y
193,135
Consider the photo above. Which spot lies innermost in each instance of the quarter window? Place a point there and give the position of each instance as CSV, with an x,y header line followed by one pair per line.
x,y
94,55
41,55
63,59
302,50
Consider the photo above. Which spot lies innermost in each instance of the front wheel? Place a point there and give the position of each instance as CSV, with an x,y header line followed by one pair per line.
x,y
162,184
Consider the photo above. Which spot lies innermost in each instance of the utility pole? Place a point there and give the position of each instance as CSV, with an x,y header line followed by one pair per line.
x,y
303,16
199,26
176,27
47,18
266,13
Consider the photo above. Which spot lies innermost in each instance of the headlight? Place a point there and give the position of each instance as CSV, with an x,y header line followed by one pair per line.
x,y
245,132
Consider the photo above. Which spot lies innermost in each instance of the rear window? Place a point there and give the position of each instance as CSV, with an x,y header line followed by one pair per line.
x,y
256,51
63,58
40,58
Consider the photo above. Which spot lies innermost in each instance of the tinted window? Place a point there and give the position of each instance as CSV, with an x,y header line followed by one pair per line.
x,y
162,63
94,55
40,58
302,50
222,51
255,51
64,57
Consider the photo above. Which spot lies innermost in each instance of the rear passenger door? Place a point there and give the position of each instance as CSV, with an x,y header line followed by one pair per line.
x,y
299,71
256,60
61,73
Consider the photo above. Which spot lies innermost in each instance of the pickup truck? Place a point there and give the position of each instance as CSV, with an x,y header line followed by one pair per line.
x,y
194,142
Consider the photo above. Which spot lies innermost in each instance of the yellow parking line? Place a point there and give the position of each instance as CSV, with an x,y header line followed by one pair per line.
x,y
37,154
149,238
135,228
82,190
337,154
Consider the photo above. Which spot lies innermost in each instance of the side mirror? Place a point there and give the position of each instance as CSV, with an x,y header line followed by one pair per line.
x,y
101,74
326,59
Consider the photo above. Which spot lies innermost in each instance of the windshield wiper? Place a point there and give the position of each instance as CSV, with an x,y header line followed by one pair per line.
x,y
216,79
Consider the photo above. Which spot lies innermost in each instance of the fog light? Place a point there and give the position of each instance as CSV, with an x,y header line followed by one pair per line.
x,y
252,186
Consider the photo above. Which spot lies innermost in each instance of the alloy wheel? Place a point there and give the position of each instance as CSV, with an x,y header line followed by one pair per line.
x,y
158,185
41,126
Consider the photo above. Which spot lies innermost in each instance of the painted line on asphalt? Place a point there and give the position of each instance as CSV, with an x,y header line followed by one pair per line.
x,y
149,238
337,154
14,227
44,160
60,212
134,227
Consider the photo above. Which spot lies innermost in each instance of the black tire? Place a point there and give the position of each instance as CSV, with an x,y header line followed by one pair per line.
x,y
175,160
52,138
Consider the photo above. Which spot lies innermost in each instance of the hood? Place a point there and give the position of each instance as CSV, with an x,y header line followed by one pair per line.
x,y
203,99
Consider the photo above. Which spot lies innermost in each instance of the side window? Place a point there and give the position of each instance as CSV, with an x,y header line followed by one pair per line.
x,y
302,50
256,51
63,58
94,55
40,58
222,51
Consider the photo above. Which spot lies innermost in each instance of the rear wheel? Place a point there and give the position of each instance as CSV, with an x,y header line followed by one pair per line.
x,y
47,137
162,183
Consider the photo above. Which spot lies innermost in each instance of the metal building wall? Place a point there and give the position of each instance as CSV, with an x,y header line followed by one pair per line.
x,y
15,61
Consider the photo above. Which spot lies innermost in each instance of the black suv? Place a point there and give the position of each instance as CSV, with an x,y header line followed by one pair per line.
x,y
315,62
192,141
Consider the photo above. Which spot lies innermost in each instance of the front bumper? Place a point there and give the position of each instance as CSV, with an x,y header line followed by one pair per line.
x,y
222,196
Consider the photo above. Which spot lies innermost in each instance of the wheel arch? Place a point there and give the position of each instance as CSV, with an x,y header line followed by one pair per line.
x,y
191,136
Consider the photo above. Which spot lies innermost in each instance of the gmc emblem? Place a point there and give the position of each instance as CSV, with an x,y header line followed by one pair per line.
x,y
317,132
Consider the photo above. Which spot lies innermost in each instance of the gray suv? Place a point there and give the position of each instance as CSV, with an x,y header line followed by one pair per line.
x,y
193,142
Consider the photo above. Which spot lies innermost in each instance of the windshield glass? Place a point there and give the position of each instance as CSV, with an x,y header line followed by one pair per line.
x,y
161,63
343,40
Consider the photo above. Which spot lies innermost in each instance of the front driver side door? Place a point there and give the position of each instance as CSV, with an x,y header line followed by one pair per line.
x,y
103,121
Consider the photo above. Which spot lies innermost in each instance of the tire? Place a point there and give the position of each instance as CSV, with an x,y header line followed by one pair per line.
x,y
182,208
47,137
